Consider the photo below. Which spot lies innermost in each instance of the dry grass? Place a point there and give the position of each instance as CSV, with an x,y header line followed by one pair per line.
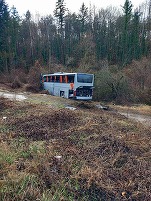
x,y
103,156
138,109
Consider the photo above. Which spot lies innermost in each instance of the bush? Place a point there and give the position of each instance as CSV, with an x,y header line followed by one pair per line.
x,y
34,79
32,88
15,79
16,83
109,87
17,74
145,96
139,78
102,91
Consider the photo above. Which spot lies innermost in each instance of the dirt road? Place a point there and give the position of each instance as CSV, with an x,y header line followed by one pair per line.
x,y
144,119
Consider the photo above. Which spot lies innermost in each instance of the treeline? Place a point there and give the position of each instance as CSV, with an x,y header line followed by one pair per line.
x,y
71,39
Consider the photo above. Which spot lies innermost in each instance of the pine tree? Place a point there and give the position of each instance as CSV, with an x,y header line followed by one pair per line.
x,y
4,36
127,9
83,17
14,36
135,37
59,13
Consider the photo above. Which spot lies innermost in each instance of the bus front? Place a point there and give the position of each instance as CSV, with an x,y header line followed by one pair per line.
x,y
83,89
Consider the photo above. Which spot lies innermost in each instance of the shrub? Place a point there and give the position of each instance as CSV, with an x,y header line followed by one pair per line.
x,y
34,79
109,86
145,96
16,83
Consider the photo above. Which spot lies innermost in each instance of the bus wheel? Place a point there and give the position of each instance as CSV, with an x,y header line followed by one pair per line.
x,y
62,94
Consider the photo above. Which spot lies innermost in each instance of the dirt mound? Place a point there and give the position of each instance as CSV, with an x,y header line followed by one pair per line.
x,y
85,105
52,123
2,103
5,103
32,88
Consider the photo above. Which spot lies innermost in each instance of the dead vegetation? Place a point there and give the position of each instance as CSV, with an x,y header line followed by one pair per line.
x,y
59,154
134,108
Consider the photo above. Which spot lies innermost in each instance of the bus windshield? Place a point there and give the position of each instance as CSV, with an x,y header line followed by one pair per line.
x,y
84,78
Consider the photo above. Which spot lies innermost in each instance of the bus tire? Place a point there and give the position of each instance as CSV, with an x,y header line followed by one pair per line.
x,y
62,94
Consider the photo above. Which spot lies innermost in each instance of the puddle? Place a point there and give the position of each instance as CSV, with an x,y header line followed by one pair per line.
x,y
13,96
102,107
70,108
138,117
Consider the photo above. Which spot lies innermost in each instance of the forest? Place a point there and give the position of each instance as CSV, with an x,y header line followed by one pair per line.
x,y
111,43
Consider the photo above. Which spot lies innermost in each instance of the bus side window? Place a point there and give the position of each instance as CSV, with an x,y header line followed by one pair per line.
x,y
47,79
57,78
63,79
70,79
53,78
44,78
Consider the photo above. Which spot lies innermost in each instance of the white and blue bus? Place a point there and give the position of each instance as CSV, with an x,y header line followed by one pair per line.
x,y
69,85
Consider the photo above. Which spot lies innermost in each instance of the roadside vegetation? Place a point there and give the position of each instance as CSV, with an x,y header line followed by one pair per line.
x,y
49,153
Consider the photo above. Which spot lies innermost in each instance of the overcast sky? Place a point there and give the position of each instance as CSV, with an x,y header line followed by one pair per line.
x,y
46,7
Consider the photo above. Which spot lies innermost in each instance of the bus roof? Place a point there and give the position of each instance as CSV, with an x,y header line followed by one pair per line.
x,y
64,73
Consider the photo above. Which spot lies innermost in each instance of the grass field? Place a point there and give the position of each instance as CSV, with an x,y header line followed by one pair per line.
x,y
50,153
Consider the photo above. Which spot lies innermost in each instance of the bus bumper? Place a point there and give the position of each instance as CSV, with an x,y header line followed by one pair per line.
x,y
83,97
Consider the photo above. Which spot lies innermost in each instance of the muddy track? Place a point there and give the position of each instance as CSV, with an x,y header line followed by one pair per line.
x,y
144,119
